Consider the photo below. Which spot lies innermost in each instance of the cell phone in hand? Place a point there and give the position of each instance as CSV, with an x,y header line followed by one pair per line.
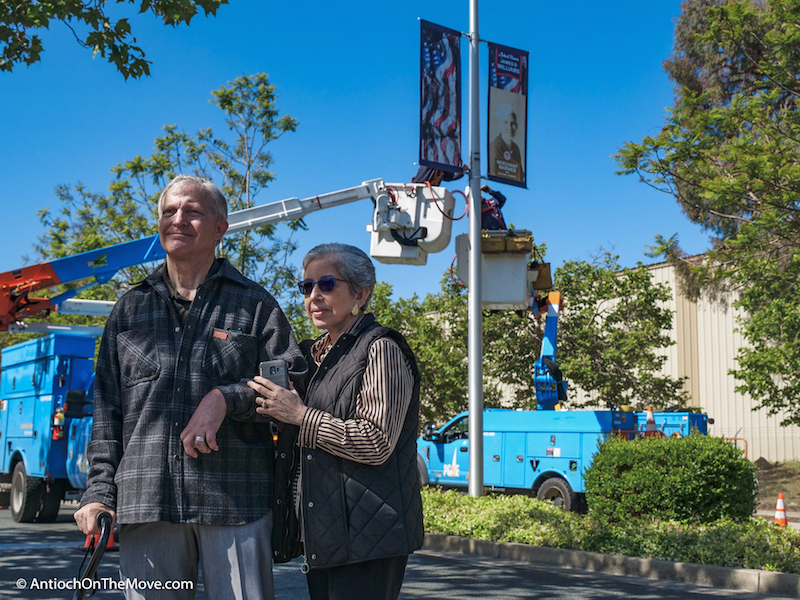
x,y
275,371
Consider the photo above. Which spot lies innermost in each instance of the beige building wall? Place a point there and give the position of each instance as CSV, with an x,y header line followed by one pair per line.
x,y
705,350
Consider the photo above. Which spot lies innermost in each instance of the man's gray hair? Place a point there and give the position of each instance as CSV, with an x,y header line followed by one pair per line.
x,y
218,202
353,264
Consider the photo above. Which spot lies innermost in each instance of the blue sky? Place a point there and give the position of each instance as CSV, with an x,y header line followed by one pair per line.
x,y
348,72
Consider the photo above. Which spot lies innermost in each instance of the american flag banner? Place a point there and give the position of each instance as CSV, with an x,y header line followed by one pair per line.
x,y
440,98
508,113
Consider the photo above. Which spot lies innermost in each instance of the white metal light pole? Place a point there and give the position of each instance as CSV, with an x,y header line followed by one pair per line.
x,y
475,314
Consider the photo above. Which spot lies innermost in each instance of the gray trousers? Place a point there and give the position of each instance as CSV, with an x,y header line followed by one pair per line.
x,y
236,560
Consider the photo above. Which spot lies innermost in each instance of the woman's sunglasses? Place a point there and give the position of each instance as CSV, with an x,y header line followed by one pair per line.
x,y
326,284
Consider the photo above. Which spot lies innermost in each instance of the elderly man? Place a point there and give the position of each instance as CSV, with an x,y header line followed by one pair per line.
x,y
178,454
505,159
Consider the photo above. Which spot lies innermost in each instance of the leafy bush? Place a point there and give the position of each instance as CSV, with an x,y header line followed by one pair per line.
x,y
749,544
500,518
695,478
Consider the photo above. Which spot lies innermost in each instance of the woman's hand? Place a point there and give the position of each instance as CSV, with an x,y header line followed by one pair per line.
x,y
278,402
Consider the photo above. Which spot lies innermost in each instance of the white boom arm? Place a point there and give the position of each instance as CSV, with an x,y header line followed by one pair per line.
x,y
294,208
409,219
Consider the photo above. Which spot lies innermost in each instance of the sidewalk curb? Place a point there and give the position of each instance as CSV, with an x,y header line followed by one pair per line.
x,y
748,580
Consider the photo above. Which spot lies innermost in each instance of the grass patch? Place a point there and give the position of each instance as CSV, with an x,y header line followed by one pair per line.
x,y
750,544
775,478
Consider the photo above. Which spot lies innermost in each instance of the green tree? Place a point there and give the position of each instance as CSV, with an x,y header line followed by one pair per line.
x,y
613,326
92,27
87,221
728,154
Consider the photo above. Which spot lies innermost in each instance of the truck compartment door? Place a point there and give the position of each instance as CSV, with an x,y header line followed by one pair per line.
x,y
514,463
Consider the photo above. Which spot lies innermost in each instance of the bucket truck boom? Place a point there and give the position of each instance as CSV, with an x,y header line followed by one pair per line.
x,y
408,222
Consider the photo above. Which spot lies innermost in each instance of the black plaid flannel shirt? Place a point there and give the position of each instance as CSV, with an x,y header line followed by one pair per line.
x,y
152,372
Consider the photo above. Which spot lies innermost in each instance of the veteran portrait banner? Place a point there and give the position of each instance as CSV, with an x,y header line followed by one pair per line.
x,y
508,111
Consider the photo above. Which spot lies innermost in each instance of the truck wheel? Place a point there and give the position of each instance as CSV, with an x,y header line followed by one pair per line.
x,y
26,495
423,471
51,502
557,491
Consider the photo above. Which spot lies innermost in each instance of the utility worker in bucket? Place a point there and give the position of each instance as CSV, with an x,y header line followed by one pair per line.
x,y
491,214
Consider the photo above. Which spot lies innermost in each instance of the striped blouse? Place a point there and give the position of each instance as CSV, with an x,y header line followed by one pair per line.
x,y
371,435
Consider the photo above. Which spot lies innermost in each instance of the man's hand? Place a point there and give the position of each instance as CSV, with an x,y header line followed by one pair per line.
x,y
86,517
200,435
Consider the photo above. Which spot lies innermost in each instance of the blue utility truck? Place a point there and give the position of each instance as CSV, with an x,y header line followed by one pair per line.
x,y
541,452
43,386
675,424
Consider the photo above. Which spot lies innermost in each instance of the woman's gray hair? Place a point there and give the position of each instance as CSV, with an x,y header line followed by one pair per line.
x,y
353,264
218,202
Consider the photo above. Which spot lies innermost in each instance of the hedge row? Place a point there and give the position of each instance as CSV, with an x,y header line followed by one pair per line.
x,y
751,543
689,499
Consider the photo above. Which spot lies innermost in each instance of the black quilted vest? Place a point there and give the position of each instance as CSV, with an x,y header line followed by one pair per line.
x,y
354,512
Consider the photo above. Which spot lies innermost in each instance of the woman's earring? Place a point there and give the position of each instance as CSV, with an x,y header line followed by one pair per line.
x,y
354,310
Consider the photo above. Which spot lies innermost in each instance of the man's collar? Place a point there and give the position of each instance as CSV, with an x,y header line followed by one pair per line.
x,y
220,268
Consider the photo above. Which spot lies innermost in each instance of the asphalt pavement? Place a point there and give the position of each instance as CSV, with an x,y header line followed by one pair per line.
x,y
40,560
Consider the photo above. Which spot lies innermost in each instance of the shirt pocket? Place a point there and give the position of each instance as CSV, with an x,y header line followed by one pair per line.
x,y
231,357
138,357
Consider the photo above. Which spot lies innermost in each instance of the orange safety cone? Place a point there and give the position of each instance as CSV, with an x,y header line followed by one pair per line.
x,y
650,429
780,512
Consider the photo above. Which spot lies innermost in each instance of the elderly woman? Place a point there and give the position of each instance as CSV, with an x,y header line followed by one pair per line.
x,y
347,455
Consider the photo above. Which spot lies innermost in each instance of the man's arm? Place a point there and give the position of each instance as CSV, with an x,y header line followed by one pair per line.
x,y
276,341
200,434
86,517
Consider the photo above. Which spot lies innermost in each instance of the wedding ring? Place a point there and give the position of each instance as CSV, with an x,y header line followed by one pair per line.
x,y
199,438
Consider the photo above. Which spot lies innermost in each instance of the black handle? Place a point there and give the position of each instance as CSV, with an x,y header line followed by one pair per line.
x,y
104,520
